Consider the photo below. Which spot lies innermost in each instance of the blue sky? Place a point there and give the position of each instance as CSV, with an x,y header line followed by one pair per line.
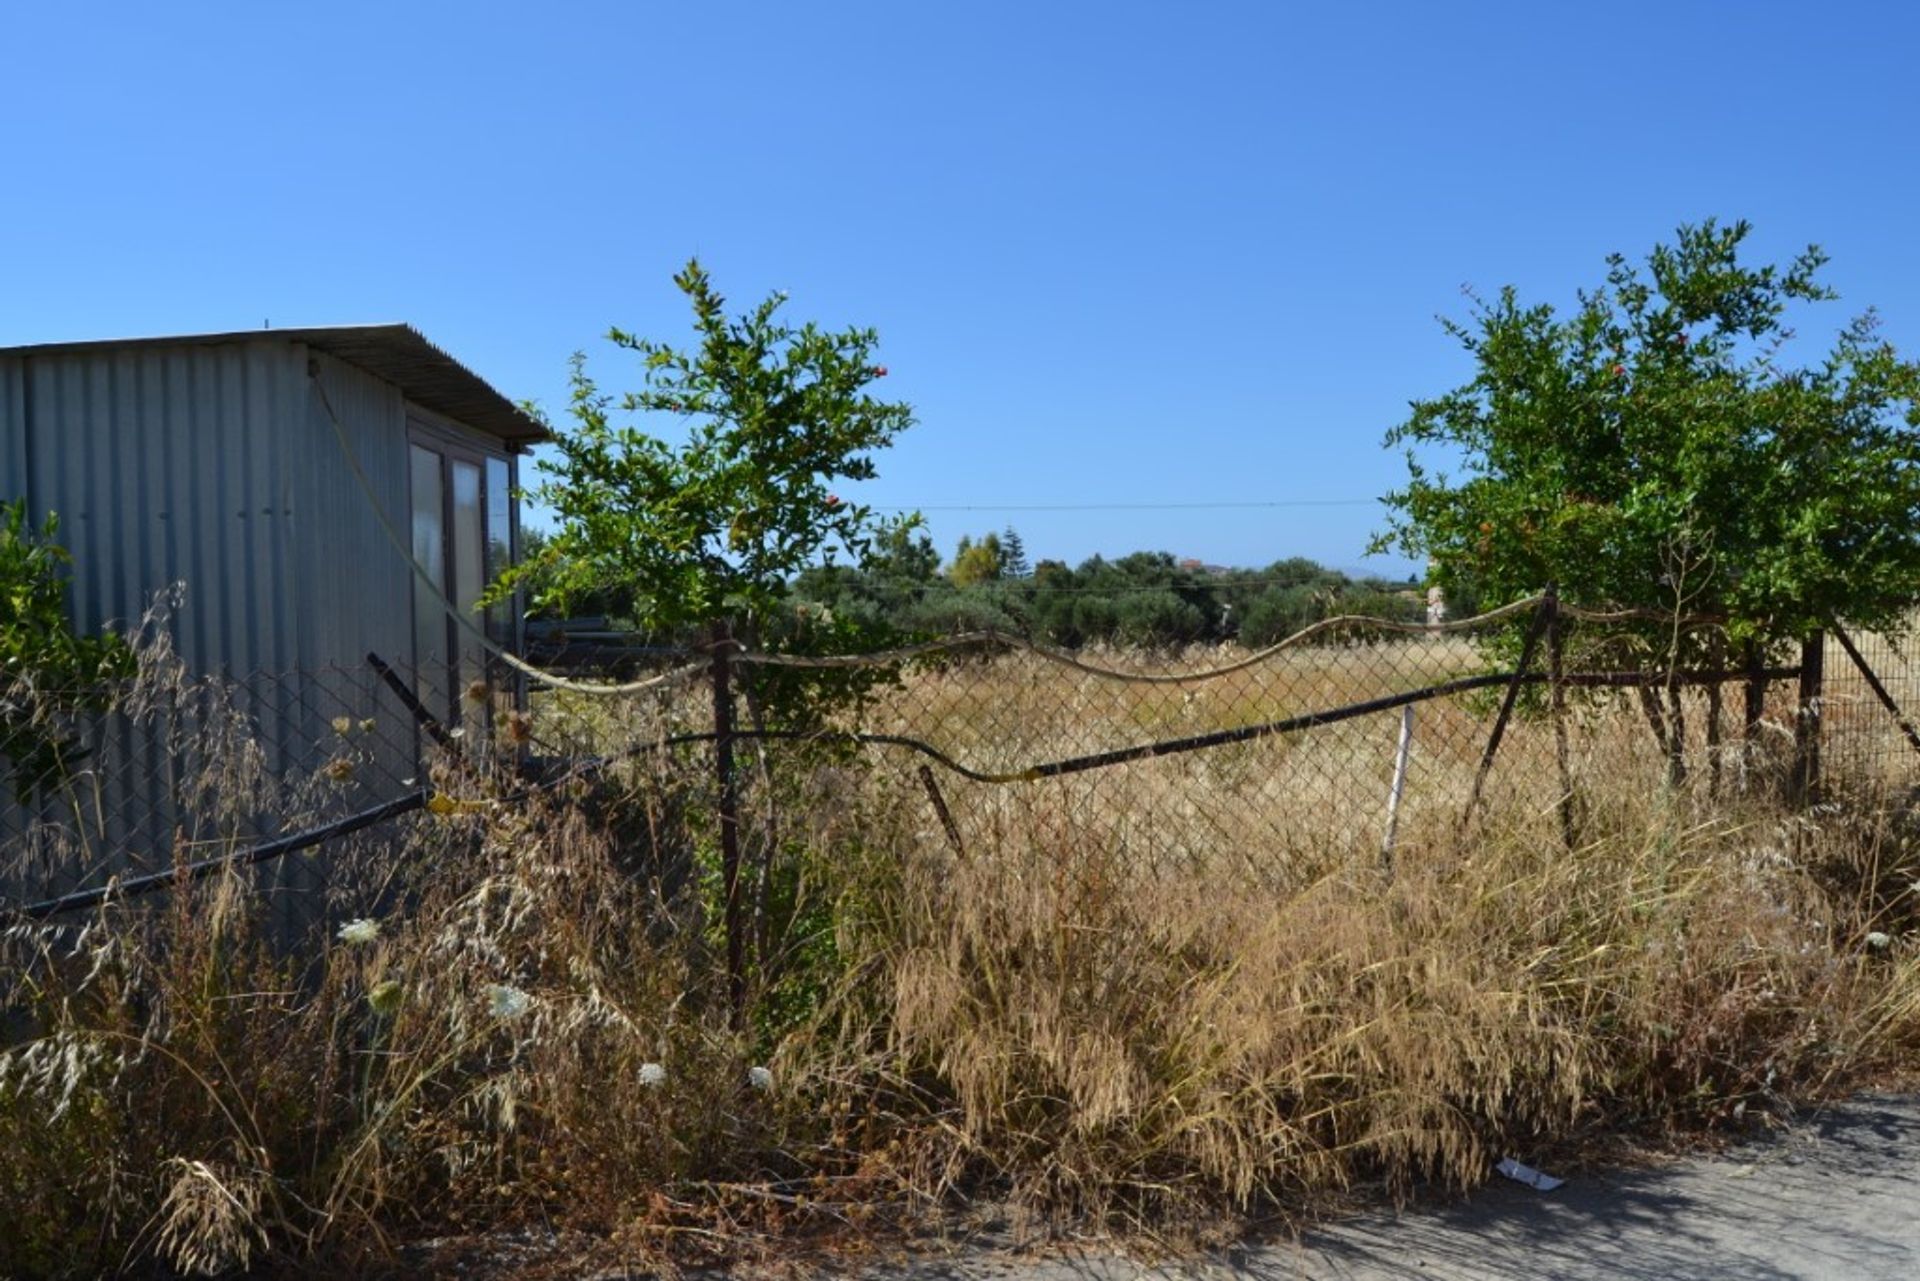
x,y
1118,253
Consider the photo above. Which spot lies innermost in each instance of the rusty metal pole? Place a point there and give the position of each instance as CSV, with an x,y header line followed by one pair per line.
x,y
729,811
1804,782
1547,608
1756,707
1562,752
947,824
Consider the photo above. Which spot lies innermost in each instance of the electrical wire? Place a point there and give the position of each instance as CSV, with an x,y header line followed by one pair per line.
x,y
883,658
1205,505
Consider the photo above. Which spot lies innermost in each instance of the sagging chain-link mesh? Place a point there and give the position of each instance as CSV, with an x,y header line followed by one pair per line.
x,y
183,769
1293,761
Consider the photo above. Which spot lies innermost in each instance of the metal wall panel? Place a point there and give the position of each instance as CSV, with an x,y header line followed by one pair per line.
x,y
13,430
217,467
171,466
358,588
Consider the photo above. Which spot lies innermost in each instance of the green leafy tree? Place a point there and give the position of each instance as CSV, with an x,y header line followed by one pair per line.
x,y
708,534
976,563
48,670
1657,447
900,570
706,537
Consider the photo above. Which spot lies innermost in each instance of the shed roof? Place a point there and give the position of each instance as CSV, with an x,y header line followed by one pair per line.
x,y
400,354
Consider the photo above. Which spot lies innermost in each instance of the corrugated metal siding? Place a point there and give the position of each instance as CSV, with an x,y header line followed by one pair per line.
x,y
359,588
13,430
168,466
216,467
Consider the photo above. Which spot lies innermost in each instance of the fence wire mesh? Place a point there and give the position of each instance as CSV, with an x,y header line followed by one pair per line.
x,y
182,769
1293,762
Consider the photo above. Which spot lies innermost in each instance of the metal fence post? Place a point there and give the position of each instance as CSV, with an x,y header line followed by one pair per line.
x,y
1556,670
1716,656
1544,611
1803,788
729,811
1756,708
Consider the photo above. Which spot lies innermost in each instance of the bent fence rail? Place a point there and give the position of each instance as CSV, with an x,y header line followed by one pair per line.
x,y
1291,752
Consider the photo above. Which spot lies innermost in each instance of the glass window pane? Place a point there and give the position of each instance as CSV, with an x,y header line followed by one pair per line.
x,y
469,570
468,557
429,550
499,544
431,656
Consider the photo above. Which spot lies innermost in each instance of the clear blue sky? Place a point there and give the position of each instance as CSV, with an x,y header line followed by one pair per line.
x,y
1118,253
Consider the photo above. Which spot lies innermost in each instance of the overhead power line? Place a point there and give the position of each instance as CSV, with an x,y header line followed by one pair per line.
x,y
1126,507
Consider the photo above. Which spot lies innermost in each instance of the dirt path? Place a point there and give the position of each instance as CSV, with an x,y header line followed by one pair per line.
x,y
1835,1195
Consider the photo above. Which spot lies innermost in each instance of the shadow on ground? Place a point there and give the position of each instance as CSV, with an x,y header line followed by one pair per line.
x,y
1835,1194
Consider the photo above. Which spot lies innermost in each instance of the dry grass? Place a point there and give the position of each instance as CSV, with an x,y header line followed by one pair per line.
x,y
1137,999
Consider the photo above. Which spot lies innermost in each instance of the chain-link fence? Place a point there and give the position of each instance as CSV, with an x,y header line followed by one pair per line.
x,y
1864,737
1342,745
182,770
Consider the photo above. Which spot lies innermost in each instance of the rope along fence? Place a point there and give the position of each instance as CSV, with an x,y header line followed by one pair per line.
x,y
1332,748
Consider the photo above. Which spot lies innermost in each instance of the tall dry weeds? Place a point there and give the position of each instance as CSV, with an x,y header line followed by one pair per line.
x,y
1181,988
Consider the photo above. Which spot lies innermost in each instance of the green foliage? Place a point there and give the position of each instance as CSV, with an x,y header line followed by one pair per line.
x,y
538,585
1657,448
1143,599
48,670
711,531
976,563
1013,555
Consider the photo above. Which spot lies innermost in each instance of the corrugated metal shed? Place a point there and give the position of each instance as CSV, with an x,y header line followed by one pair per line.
x,y
399,354
213,461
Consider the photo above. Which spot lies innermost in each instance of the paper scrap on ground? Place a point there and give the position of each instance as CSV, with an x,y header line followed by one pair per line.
x,y
1528,1175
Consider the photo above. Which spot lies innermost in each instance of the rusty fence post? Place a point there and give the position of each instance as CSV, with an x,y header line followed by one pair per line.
x,y
729,813
1548,607
939,801
1562,752
1803,783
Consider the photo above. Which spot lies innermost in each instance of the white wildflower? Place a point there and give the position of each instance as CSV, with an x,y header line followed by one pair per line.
x,y
359,932
507,1002
652,1075
1877,941
759,1078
